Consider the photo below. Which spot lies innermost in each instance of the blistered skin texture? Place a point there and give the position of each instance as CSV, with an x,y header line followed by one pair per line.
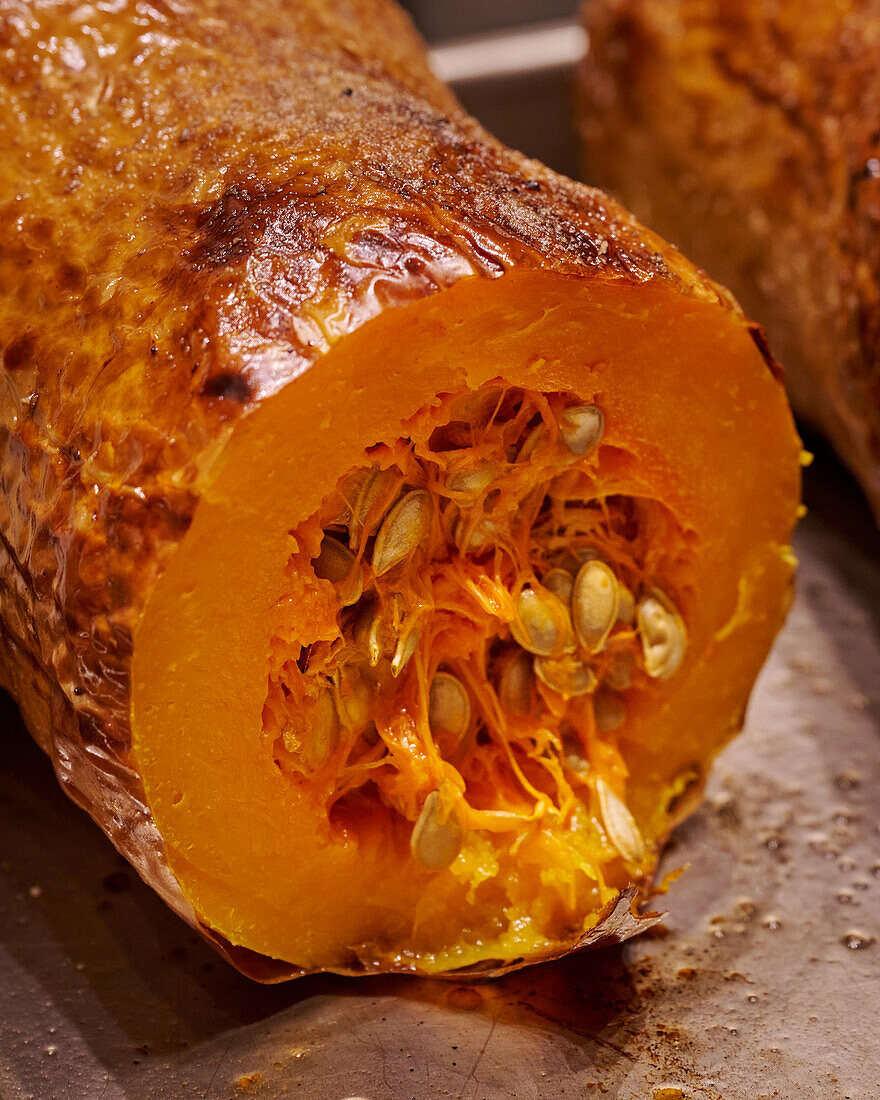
x,y
748,132
196,201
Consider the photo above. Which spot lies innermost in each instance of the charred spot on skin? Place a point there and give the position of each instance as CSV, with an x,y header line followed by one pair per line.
x,y
19,352
41,230
230,229
129,517
71,278
73,456
227,227
228,387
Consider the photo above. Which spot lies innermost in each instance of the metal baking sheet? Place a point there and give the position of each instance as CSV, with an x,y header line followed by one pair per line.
x,y
763,981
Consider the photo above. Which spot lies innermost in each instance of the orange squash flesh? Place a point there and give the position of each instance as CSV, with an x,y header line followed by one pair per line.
x,y
254,858
246,251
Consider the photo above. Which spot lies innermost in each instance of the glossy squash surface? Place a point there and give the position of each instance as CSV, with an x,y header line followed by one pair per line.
x,y
392,529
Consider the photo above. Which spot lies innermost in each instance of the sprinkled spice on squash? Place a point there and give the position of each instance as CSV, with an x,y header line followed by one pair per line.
x,y
393,529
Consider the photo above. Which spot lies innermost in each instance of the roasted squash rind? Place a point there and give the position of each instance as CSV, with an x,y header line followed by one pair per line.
x,y
192,216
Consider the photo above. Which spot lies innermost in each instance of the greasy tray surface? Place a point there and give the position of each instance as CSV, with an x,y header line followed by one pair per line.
x,y
761,989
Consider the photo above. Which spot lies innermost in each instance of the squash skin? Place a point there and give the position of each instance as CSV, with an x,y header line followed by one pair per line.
x,y
747,133
241,185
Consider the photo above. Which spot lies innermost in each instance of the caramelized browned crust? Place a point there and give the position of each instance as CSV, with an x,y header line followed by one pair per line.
x,y
749,134
196,200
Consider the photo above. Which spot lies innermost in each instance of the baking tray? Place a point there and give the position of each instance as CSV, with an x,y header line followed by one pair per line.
x,y
763,981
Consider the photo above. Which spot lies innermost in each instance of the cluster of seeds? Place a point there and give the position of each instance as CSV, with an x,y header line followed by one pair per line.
x,y
566,622
484,585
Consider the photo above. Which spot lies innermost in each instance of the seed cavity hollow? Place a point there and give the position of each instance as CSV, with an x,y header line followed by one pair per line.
x,y
437,835
476,408
530,444
620,672
494,603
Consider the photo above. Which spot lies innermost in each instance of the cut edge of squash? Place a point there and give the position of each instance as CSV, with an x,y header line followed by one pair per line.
x,y
707,431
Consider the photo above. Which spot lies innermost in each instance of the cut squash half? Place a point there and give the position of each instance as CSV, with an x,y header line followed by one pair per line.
x,y
391,530
460,623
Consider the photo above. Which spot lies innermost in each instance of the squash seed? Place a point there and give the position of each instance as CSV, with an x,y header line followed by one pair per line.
x,y
609,709
620,673
663,635
581,428
353,697
406,527
373,490
335,512
627,607
586,553
516,683
473,481
566,675
315,747
377,642
577,762
530,443
436,836
560,582
540,623
594,602
372,633
619,824
483,536
477,406
449,710
403,651
336,563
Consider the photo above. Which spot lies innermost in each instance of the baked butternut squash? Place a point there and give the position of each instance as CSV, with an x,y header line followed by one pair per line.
x,y
747,133
391,529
